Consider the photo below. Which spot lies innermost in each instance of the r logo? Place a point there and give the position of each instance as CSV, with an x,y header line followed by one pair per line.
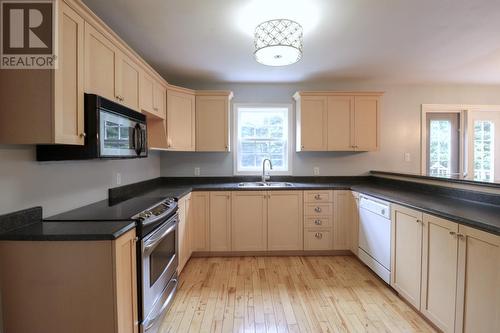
x,y
27,28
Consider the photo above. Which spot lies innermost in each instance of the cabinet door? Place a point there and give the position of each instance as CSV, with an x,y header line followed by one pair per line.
x,y
284,220
212,123
124,258
406,253
146,93
478,290
313,123
439,271
159,99
342,220
99,64
127,81
180,121
355,222
220,221
69,85
365,123
183,235
249,221
340,110
200,221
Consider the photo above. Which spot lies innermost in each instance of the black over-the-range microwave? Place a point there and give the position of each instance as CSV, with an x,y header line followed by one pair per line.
x,y
112,131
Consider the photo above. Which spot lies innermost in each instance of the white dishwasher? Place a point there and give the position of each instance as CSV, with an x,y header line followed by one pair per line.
x,y
375,235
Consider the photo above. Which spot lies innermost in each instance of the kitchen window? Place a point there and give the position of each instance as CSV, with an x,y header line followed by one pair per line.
x,y
262,131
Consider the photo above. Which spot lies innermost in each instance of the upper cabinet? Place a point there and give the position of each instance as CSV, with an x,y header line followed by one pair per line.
x,y
180,119
47,105
212,120
153,96
337,121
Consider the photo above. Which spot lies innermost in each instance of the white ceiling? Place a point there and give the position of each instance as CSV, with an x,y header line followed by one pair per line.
x,y
404,41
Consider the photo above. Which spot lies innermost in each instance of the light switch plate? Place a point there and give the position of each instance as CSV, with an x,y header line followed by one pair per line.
x,y
118,178
197,171
316,171
407,157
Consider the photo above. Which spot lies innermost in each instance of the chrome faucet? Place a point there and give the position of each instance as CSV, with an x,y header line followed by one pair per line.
x,y
266,177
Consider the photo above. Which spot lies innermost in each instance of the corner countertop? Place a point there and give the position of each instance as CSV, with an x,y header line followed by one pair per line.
x,y
108,219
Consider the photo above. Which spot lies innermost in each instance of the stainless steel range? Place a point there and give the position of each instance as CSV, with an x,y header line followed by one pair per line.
x,y
157,253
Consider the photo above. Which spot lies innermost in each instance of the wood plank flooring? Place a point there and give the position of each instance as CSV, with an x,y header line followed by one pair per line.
x,y
286,294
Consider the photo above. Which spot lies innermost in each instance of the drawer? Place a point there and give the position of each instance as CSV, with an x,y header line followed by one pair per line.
x,y
317,240
318,209
318,222
318,196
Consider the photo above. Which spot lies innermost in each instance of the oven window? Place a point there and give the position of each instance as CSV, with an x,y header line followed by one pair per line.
x,y
160,257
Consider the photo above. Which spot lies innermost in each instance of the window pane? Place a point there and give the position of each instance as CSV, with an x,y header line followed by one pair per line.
x,y
483,151
440,148
262,133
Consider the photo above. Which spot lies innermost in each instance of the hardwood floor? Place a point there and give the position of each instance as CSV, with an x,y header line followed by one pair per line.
x,y
286,294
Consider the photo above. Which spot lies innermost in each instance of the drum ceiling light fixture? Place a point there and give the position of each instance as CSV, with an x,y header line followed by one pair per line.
x,y
278,42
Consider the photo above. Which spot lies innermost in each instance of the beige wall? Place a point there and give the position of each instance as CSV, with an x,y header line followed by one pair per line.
x,y
61,186
400,128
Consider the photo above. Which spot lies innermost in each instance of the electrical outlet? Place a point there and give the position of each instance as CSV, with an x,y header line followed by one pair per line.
x,y
407,157
316,171
118,178
197,171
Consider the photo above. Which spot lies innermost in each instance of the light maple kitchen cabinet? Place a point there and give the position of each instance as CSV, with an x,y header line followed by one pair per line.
x,y
200,227
478,286
340,117
342,219
180,119
312,126
439,271
212,120
127,81
284,220
337,121
354,222
51,100
220,221
153,96
108,71
249,221
406,253
91,285
318,220
184,228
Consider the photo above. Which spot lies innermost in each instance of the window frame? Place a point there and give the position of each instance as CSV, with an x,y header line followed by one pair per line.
x,y
290,141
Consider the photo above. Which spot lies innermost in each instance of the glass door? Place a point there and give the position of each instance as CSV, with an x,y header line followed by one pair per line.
x,y
443,145
483,132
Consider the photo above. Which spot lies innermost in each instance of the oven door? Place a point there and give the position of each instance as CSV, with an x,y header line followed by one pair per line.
x,y
120,136
159,266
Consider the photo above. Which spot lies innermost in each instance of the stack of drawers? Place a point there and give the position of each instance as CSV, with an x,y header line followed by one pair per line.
x,y
318,220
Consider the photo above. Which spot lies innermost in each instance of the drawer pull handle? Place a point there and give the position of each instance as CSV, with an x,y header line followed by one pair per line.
x,y
318,209
317,197
317,222
318,235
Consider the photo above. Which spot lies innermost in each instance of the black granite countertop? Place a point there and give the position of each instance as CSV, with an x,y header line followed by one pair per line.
x,y
108,219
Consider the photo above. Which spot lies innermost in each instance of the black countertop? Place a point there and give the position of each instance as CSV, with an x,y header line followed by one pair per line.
x,y
108,219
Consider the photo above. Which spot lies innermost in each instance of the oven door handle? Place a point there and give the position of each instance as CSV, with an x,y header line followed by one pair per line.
x,y
152,242
149,322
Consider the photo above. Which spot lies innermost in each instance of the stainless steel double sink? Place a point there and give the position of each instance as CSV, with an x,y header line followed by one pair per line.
x,y
264,184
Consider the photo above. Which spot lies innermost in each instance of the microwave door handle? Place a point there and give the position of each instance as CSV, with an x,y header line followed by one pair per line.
x,y
137,139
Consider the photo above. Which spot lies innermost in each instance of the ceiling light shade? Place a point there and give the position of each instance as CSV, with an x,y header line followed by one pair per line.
x,y
278,42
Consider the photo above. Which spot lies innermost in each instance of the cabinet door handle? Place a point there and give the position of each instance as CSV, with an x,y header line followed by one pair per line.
x,y
317,209
317,197
453,233
318,235
83,134
317,222
419,221
460,236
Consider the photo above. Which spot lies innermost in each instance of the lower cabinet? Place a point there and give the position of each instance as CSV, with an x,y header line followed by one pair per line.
x,y
91,285
200,228
249,221
184,231
478,286
342,220
220,221
284,221
318,220
439,271
406,253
